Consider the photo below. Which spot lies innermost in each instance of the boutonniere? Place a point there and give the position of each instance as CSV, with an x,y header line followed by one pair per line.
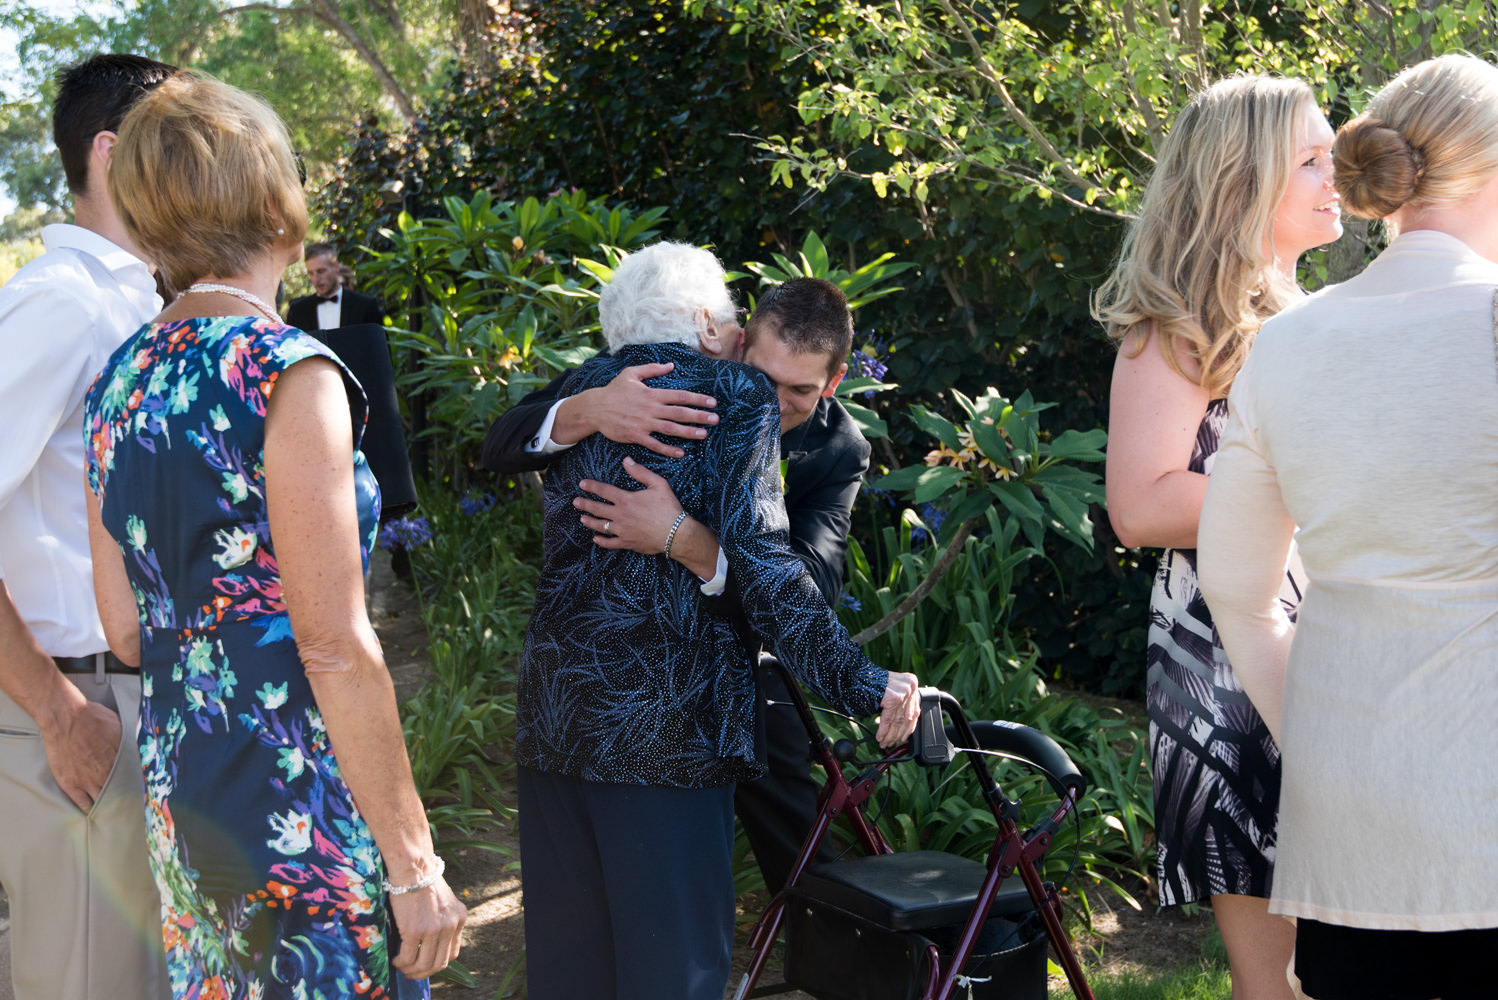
x,y
785,466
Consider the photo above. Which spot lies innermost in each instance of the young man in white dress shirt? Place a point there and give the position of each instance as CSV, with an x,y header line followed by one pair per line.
x,y
85,913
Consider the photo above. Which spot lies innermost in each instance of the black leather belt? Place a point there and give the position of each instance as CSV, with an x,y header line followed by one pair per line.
x,y
90,664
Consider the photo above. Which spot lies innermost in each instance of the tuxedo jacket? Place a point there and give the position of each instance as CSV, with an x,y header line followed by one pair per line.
x,y
628,673
826,458
364,350
354,307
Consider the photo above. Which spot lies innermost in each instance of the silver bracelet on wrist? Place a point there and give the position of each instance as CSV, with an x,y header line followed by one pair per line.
x,y
671,535
419,884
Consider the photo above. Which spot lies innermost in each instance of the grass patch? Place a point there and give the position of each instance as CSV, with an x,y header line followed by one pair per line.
x,y
1204,979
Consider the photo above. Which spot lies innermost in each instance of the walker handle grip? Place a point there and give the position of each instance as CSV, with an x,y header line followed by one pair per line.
x,y
1031,746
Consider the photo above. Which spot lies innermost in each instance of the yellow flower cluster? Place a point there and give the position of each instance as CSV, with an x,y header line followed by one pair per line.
x,y
969,452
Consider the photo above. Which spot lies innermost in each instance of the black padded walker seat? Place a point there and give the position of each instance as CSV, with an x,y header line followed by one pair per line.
x,y
912,891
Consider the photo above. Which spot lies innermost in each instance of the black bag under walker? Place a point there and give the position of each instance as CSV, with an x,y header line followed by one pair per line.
x,y
859,929
922,925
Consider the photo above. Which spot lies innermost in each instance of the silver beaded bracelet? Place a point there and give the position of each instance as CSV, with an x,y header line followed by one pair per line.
x,y
419,884
671,535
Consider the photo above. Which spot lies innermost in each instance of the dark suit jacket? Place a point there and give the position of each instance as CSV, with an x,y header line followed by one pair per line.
x,y
826,458
353,308
365,352
629,675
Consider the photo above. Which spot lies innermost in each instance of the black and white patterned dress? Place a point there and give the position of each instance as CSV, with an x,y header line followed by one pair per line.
x,y
1217,769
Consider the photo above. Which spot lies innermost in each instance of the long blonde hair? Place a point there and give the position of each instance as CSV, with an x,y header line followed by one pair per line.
x,y
1192,269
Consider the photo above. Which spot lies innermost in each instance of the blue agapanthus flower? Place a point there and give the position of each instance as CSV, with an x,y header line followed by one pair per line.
x,y
869,362
476,502
932,515
872,496
851,603
405,533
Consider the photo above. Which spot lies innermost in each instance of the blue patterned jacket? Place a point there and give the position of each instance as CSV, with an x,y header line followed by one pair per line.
x,y
629,675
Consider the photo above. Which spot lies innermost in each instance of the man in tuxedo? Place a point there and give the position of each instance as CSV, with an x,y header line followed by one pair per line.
x,y
363,348
332,305
799,336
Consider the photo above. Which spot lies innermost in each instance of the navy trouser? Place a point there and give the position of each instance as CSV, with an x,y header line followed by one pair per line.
x,y
628,889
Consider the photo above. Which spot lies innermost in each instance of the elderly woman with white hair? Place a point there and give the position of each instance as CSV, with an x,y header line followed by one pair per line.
x,y
636,703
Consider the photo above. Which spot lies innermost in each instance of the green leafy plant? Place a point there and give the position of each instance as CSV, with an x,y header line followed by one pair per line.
x,y
497,296
998,455
862,285
476,579
962,639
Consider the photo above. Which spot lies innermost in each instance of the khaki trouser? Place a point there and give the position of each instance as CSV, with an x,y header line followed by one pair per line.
x,y
85,914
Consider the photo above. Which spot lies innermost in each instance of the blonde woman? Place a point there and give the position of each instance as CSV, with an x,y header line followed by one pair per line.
x,y
1241,189
1368,416
230,517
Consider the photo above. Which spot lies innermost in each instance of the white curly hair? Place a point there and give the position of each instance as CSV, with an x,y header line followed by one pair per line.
x,y
658,294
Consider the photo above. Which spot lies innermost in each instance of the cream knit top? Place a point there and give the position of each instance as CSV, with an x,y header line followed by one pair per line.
x,y
1367,415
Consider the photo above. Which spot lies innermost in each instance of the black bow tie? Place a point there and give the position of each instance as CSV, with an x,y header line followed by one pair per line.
x,y
327,298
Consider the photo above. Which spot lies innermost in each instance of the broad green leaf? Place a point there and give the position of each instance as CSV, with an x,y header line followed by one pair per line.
x,y
1080,446
870,424
927,482
937,426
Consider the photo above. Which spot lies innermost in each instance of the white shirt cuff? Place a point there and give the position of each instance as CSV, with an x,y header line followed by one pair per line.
x,y
542,444
714,587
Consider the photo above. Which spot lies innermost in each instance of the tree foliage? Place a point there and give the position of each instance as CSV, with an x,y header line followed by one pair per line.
x,y
1062,100
493,298
323,64
632,101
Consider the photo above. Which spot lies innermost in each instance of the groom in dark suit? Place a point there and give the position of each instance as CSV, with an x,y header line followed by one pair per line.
x,y
331,305
799,336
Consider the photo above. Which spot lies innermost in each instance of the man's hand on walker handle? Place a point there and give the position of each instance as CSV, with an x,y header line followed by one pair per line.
x,y
898,709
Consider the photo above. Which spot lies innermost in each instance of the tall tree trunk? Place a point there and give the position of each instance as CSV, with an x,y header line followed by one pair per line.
x,y
326,12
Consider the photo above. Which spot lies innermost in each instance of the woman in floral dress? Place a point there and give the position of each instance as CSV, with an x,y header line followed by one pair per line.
x,y
231,515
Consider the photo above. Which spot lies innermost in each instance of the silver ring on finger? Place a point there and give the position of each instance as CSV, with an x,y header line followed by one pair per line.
x,y
608,527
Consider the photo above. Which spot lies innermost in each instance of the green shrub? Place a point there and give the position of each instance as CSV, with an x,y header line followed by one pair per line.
x,y
476,582
496,297
961,639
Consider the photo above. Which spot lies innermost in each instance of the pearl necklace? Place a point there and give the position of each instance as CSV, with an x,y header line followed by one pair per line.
x,y
238,293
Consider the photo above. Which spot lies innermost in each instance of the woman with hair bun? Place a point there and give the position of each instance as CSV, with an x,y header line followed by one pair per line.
x,y
1242,187
230,517
1368,416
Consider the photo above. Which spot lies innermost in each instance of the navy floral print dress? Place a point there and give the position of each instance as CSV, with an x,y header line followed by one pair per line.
x,y
269,878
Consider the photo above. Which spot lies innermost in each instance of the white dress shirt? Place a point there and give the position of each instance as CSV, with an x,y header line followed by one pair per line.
x,y
61,316
330,314
542,444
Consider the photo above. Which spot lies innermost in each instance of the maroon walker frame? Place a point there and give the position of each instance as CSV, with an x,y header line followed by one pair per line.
x,y
934,744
